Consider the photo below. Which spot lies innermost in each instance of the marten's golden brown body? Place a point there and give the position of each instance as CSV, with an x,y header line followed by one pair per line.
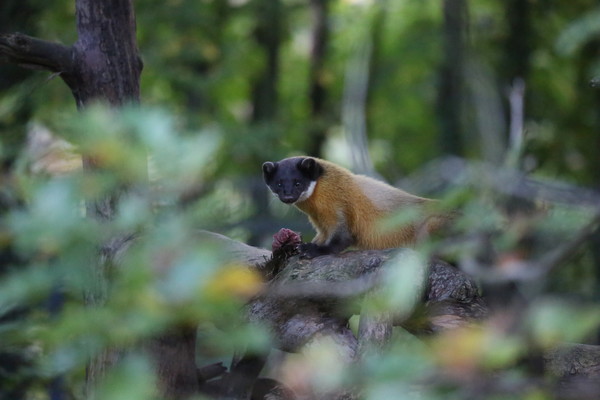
x,y
347,209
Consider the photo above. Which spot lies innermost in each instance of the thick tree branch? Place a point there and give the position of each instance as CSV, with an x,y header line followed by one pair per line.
x,y
305,299
374,329
309,298
310,301
578,368
571,359
35,53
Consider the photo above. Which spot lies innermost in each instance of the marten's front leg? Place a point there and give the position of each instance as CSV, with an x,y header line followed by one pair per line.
x,y
340,240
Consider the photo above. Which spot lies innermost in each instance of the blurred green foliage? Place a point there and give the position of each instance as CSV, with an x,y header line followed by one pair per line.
x,y
165,278
201,59
194,138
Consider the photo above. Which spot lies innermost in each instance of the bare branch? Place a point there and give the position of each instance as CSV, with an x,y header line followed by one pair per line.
x,y
533,269
560,254
516,98
33,53
450,171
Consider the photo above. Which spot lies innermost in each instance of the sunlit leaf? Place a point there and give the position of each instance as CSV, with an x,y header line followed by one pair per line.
x,y
234,280
405,281
553,321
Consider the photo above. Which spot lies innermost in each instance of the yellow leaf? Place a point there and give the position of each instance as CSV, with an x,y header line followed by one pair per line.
x,y
234,280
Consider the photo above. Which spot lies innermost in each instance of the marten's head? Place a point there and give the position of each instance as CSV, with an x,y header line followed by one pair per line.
x,y
292,179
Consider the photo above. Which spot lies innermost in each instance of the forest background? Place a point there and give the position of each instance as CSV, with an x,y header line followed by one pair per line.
x,y
405,90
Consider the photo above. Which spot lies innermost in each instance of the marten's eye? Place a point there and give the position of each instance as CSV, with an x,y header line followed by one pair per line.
x,y
297,184
279,184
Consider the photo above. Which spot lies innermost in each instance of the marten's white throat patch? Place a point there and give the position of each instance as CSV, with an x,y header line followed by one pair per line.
x,y
307,193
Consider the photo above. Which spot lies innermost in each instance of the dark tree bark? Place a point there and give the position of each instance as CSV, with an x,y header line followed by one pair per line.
x,y
577,367
587,96
14,15
240,382
451,76
197,100
317,84
103,65
265,98
514,71
518,44
175,360
268,36
107,63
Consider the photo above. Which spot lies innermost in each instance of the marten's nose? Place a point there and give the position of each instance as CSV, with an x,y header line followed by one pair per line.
x,y
287,198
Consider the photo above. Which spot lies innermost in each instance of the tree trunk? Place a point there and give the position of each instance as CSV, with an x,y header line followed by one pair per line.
x,y
265,98
103,65
15,15
518,45
317,92
515,69
587,95
106,67
268,36
451,77
107,62
175,359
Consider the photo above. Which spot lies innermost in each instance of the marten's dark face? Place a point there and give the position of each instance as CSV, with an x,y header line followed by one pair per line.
x,y
292,179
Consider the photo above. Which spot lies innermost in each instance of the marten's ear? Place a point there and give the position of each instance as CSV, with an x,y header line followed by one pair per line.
x,y
269,169
311,168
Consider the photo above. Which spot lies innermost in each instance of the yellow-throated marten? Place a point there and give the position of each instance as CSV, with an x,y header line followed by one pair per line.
x,y
345,209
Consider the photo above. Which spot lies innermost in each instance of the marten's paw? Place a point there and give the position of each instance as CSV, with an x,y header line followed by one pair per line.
x,y
310,250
